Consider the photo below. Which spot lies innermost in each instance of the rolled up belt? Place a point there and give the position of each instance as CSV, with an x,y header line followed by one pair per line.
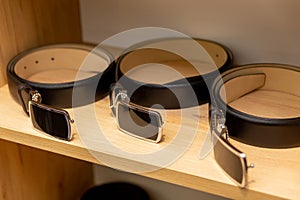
x,y
263,128
62,60
195,77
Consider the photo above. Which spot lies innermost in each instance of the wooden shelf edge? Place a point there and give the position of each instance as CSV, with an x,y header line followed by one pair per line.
x,y
164,174
45,144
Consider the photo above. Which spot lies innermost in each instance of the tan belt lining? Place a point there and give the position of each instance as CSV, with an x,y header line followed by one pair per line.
x,y
240,86
58,60
152,54
260,84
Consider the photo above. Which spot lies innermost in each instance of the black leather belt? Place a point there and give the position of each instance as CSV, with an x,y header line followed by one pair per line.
x,y
176,93
43,78
61,59
264,131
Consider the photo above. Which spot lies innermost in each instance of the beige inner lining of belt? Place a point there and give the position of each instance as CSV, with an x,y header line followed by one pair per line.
x,y
59,65
160,63
264,92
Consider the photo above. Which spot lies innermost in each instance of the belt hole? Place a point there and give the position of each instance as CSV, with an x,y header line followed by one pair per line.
x,y
36,62
52,58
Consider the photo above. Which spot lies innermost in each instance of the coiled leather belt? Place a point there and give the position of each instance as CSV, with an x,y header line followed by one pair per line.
x,y
194,80
63,60
263,128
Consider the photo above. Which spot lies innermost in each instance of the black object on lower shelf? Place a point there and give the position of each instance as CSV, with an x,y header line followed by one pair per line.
x,y
115,191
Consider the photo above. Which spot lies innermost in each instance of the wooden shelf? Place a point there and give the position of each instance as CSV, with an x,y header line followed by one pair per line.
x,y
276,174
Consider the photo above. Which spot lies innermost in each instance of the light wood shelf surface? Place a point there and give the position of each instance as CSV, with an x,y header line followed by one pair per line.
x,y
276,174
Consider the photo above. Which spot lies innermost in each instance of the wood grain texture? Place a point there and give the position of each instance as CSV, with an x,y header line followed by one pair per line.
x,y
28,173
30,23
275,176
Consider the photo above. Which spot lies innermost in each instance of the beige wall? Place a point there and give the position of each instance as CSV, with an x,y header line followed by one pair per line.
x,y
256,30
